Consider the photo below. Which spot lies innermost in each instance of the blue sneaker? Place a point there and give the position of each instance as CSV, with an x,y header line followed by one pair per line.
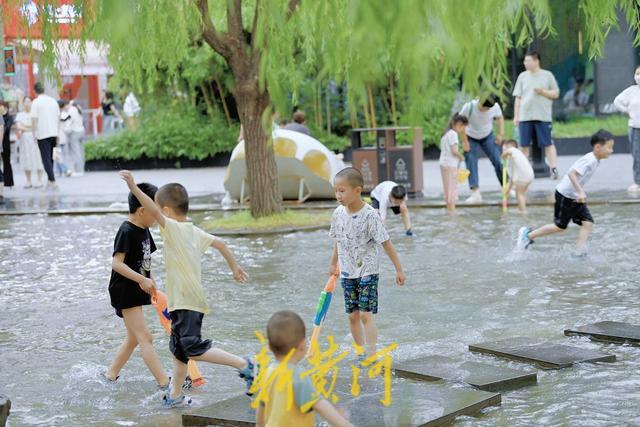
x,y
181,401
523,238
409,232
248,374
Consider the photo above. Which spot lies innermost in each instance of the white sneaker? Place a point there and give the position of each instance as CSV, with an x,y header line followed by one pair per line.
x,y
51,187
475,197
634,188
523,240
77,174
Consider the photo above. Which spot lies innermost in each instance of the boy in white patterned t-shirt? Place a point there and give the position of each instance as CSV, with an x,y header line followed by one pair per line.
x,y
358,231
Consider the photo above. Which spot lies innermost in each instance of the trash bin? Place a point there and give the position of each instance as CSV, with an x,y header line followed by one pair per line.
x,y
387,160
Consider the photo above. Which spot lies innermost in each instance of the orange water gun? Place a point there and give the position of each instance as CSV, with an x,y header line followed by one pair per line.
x,y
161,304
321,311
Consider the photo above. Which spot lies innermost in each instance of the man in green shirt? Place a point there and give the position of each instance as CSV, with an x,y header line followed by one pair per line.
x,y
535,91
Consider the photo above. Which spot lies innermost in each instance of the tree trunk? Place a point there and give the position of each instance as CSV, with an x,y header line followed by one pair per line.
x,y
392,94
328,96
262,171
373,107
207,99
224,102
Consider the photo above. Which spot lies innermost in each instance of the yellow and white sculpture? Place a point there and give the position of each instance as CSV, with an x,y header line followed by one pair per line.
x,y
305,168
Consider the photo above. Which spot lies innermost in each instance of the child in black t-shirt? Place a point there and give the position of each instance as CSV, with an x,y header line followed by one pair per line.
x,y
131,286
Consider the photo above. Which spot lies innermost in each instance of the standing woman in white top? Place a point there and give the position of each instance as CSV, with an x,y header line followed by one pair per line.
x,y
74,130
131,110
628,102
450,158
30,157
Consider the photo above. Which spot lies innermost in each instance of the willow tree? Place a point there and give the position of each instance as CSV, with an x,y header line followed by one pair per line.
x,y
268,43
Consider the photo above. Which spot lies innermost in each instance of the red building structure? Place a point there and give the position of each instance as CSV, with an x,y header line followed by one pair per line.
x,y
81,79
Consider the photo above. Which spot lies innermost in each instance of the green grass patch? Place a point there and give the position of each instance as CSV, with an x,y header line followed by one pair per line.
x,y
577,127
243,221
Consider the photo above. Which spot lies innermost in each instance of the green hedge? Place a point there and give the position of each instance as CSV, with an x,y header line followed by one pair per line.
x,y
170,131
165,132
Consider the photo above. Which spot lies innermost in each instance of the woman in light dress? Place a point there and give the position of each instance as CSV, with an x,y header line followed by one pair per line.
x,y
30,158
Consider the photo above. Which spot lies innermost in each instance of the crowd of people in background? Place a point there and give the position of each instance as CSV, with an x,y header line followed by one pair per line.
x,y
48,135
534,92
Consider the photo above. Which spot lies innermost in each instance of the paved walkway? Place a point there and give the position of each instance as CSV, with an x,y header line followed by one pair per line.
x,y
206,185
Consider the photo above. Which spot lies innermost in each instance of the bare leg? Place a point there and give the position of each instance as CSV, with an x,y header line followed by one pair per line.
x,y
40,172
521,191
221,357
406,220
122,356
583,235
525,151
552,155
544,231
134,319
355,325
28,175
179,374
370,332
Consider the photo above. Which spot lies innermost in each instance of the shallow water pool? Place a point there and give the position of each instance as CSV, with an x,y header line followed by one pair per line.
x,y
58,331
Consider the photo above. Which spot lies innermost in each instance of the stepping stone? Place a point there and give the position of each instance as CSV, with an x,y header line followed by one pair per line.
x,y
413,404
479,375
544,354
235,411
5,407
616,332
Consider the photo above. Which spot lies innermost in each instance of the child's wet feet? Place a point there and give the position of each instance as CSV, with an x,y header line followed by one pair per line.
x,y
106,379
249,373
181,401
186,385
524,240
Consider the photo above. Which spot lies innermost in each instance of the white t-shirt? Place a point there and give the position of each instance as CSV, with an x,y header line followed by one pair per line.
x,y
74,123
449,144
382,193
23,118
480,122
46,110
518,167
534,106
358,236
131,107
184,245
628,102
585,166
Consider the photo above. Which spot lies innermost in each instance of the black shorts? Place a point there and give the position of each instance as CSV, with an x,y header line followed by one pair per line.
x,y
186,341
127,294
567,210
375,204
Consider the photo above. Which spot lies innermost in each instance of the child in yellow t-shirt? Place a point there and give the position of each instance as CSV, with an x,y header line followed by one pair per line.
x,y
286,332
184,244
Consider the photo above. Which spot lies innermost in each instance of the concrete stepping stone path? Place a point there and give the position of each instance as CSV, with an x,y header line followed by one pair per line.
x,y
413,404
546,355
615,332
482,376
